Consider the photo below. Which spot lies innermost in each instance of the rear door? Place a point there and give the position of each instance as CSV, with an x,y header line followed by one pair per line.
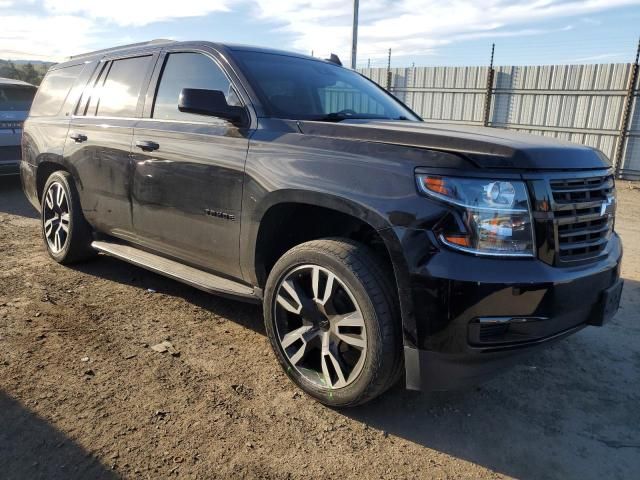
x,y
187,192
99,140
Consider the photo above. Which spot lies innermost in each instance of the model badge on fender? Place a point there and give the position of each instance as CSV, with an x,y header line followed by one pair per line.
x,y
223,215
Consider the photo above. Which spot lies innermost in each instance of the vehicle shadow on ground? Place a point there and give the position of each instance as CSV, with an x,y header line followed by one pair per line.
x,y
30,447
12,199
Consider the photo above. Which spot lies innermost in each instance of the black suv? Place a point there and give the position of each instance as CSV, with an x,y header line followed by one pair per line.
x,y
378,244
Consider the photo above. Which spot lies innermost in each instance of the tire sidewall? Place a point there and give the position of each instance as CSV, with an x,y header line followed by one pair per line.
x,y
355,390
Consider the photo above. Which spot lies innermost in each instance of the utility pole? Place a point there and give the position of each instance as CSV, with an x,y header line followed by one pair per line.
x,y
487,99
626,113
389,72
354,34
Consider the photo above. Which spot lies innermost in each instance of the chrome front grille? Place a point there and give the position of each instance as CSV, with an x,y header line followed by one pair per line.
x,y
583,216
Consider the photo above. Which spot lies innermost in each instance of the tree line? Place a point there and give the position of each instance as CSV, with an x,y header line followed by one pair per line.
x,y
27,72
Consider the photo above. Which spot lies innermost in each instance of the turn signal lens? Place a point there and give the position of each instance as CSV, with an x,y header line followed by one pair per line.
x,y
436,185
457,240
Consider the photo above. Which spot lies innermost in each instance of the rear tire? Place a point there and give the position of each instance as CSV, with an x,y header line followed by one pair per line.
x,y
332,321
67,235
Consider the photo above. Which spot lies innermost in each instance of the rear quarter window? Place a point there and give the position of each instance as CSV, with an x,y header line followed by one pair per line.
x,y
54,90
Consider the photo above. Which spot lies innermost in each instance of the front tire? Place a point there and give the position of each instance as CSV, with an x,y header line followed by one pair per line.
x,y
67,235
331,318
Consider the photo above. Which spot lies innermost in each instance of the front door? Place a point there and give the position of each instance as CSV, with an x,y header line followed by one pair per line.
x,y
188,170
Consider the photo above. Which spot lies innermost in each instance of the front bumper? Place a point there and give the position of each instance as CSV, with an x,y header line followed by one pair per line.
x,y
474,316
9,167
10,154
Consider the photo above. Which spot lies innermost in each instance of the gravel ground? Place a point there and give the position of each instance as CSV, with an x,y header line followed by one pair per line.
x,y
82,394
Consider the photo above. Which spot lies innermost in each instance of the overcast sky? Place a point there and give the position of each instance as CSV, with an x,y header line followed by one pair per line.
x,y
426,32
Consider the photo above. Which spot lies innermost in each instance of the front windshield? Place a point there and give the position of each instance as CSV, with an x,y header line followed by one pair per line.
x,y
305,89
16,98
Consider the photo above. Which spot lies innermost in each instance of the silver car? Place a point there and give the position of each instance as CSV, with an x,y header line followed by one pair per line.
x,y
15,101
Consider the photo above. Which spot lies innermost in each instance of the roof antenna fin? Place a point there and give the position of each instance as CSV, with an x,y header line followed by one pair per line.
x,y
334,59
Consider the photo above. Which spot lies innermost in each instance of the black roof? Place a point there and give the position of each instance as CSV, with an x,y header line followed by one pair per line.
x,y
134,47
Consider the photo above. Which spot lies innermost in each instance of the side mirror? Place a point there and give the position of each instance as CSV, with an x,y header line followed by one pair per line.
x,y
209,102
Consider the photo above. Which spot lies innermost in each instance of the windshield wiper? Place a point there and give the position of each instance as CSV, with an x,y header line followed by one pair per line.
x,y
340,116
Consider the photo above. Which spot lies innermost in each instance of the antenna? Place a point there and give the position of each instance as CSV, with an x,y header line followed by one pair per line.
x,y
334,59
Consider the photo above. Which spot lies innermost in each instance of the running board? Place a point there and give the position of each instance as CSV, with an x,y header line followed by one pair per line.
x,y
191,276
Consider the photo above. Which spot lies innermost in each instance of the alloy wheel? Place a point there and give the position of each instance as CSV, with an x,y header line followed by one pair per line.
x,y
320,326
55,217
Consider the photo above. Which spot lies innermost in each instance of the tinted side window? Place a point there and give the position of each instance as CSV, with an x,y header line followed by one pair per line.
x,y
119,94
54,90
188,70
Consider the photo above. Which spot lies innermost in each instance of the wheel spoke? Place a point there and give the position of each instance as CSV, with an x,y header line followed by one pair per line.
x,y
354,340
303,334
338,368
285,303
353,319
48,226
57,241
328,353
49,198
64,222
297,334
323,360
60,196
324,296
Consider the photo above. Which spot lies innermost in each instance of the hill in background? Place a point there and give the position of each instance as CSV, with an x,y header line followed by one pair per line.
x,y
30,72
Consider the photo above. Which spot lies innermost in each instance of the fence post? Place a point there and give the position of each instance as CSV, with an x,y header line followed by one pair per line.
x,y
389,72
626,114
489,92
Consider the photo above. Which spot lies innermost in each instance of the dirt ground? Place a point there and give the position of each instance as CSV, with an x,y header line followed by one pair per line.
x,y
82,394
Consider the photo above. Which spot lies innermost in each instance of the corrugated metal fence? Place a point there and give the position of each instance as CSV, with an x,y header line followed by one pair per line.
x,y
578,103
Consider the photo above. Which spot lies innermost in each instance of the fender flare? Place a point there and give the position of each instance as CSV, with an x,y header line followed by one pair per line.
x,y
389,235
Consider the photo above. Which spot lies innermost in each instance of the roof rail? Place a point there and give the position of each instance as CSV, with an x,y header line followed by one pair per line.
x,y
155,41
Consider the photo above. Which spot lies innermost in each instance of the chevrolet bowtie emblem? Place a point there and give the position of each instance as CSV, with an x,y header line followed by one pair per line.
x,y
607,205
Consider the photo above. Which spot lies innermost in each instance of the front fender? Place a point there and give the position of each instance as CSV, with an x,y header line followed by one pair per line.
x,y
252,218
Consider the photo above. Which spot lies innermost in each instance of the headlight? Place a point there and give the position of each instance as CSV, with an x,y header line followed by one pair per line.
x,y
496,215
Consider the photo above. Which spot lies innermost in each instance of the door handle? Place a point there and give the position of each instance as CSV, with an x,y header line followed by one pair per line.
x,y
78,137
147,145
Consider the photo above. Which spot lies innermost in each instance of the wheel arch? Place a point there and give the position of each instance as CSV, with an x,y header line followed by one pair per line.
x,y
281,209
44,169
277,209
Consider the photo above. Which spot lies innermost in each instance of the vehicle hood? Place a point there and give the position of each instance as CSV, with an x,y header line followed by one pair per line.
x,y
486,147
